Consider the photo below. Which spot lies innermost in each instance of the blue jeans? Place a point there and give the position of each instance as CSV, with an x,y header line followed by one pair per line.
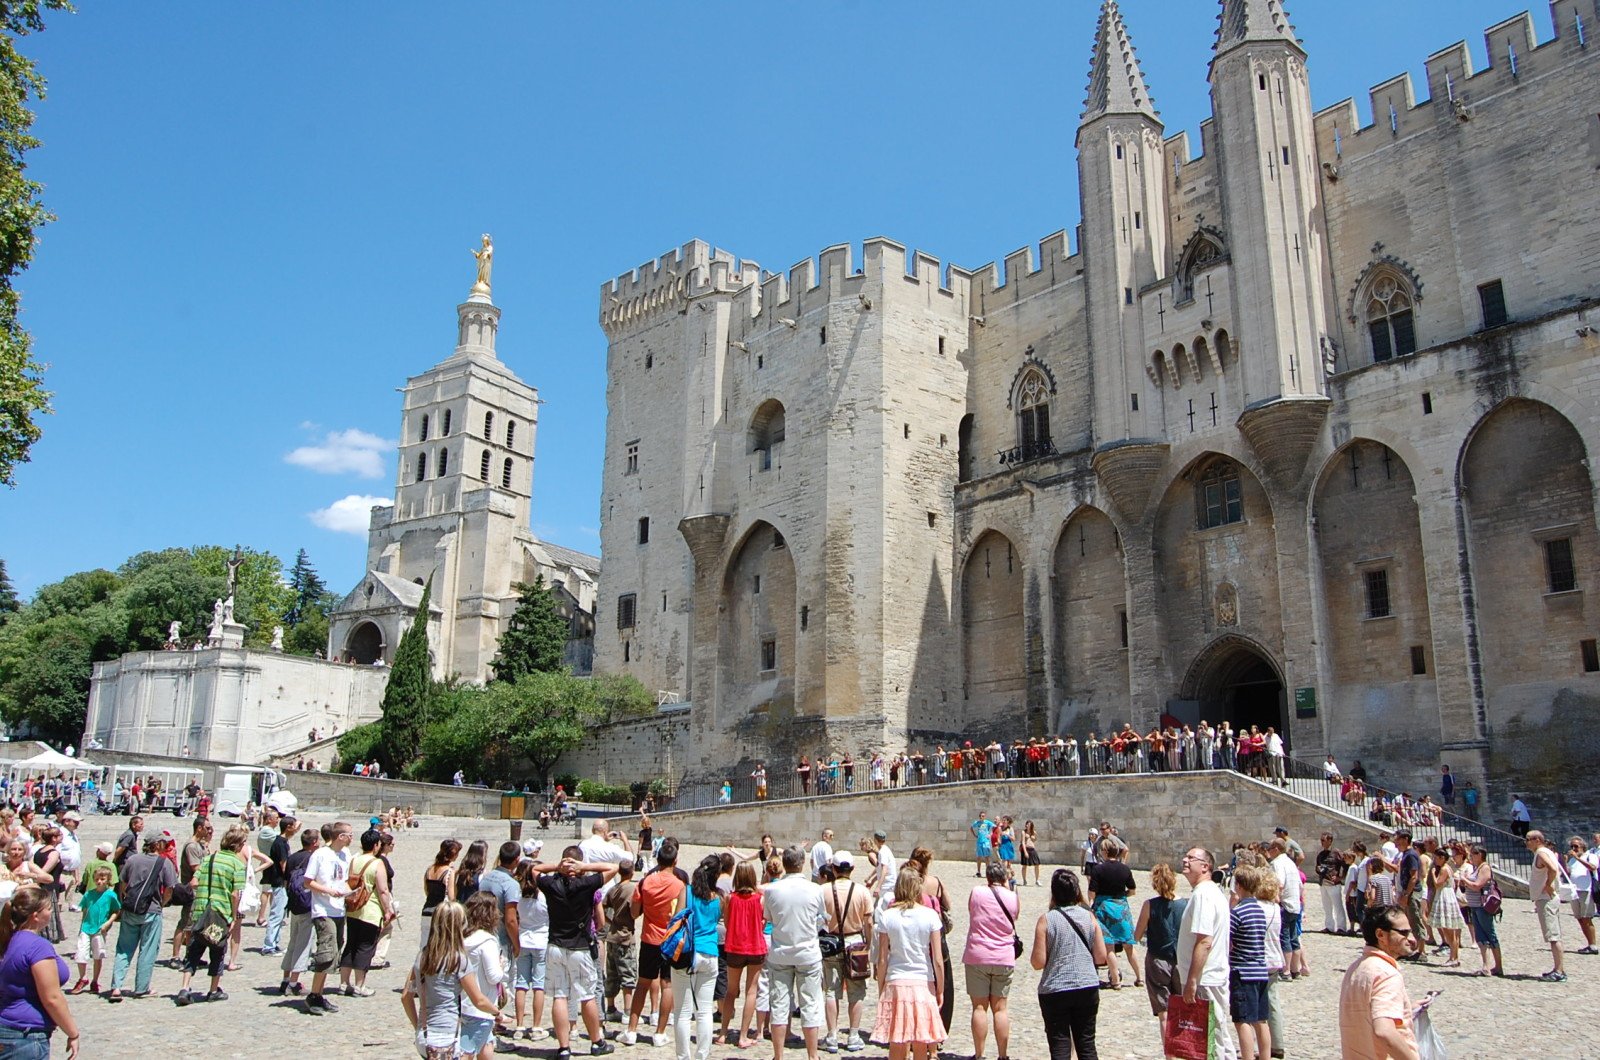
x,y
141,932
24,1045
277,913
1483,927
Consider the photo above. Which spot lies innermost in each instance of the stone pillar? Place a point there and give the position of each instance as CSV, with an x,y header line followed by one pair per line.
x,y
706,536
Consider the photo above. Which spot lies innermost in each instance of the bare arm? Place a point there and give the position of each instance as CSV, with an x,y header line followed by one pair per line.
x,y
1144,922
47,981
936,959
1197,963
1040,936
409,999
1397,1045
475,994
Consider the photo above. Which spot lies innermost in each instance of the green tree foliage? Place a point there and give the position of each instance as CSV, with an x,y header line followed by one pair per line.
x,y
619,696
308,636
548,715
311,595
406,698
261,598
535,639
158,588
22,394
360,744
9,604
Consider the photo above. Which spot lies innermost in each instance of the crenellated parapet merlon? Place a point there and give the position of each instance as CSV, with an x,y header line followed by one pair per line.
x,y
1454,87
667,283
1023,276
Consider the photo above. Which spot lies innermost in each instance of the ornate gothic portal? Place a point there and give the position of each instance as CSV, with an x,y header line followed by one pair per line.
x,y
1234,681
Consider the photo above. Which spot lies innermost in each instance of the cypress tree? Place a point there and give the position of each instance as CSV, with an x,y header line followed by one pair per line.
x,y
407,696
536,639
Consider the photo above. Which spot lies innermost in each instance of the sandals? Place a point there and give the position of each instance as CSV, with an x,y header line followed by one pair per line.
x,y
1136,982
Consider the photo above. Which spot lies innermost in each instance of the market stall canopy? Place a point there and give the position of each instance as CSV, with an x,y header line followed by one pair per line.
x,y
54,761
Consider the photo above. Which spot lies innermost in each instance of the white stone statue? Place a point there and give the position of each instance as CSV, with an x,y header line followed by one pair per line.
x,y
172,634
277,639
485,265
216,619
227,609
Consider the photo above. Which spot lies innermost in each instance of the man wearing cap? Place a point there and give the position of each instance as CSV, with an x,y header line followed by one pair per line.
x,y
147,880
849,912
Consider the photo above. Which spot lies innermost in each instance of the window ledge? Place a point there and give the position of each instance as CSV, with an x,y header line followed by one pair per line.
x,y
767,673
1565,594
1217,531
1378,618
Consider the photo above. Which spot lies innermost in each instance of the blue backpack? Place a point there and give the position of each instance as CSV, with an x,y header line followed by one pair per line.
x,y
677,949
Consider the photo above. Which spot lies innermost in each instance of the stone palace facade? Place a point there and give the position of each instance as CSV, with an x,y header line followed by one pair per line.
x,y
1294,432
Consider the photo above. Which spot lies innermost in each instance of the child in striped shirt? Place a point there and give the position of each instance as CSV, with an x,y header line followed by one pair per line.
x,y
1247,959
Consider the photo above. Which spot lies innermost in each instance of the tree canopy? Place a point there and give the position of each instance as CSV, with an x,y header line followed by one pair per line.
x,y
535,640
23,397
407,696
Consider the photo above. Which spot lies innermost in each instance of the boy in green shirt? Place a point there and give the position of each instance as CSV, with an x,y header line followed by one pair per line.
x,y
100,907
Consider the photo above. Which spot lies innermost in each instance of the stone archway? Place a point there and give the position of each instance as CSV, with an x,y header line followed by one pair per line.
x,y
1235,680
365,643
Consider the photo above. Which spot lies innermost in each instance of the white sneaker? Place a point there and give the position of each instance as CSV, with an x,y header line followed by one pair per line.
x,y
830,1044
627,1038
537,1034
854,1044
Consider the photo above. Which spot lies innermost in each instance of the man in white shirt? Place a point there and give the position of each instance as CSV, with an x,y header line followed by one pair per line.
x,y
325,878
601,849
1203,943
821,854
1275,757
794,907
1289,899
888,869
71,852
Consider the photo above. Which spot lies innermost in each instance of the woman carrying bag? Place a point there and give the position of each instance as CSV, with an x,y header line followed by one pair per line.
x,y
218,884
1067,950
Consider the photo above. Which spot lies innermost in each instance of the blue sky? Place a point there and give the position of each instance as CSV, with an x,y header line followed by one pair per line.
x,y
266,213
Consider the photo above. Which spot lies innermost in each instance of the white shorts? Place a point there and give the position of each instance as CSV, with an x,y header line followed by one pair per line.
x,y
569,974
793,988
90,946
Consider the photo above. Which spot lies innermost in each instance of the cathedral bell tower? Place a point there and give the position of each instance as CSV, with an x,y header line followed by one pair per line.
x,y
1261,99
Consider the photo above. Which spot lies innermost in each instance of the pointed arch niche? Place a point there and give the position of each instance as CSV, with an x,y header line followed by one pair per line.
x,y
1089,609
756,626
994,675
1534,557
1375,594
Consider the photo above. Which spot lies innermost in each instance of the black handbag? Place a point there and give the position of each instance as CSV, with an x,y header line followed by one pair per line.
x,y
831,943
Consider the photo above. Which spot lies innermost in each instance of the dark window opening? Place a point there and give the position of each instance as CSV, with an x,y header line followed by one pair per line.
x,y
1261,81
627,651
505,475
761,360
444,462
933,520
1219,497
964,454
422,466
778,541
1591,656
757,585
1377,582
822,335
649,361
1419,661
1286,156
1122,620
626,605
1427,403
632,467
488,426
1133,400
769,654
1562,574
483,466
644,530
1492,297
424,434
511,435
941,345
805,617
1127,296
444,426
1119,152
907,431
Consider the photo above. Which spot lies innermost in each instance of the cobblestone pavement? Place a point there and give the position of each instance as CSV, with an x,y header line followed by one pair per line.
x,y
1476,1016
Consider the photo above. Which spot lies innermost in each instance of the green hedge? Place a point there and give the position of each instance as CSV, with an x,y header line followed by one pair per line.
x,y
607,794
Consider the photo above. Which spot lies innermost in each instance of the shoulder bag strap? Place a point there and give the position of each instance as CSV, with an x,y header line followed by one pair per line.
x,y
1001,903
1076,930
138,904
849,900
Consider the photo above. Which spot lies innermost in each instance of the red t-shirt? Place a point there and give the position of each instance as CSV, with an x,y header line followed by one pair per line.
x,y
746,925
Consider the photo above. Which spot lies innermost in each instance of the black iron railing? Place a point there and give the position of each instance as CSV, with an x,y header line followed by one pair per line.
x,y
1029,451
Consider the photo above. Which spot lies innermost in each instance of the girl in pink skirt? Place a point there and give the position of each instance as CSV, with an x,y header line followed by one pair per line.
x,y
910,974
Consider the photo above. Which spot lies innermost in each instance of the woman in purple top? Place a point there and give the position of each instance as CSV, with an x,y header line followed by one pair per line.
x,y
32,1004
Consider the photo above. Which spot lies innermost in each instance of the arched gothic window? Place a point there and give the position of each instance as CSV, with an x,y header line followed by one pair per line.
x,y
444,426
1033,415
511,434
483,466
1217,498
488,426
444,462
1390,323
505,475
422,466
767,432
424,428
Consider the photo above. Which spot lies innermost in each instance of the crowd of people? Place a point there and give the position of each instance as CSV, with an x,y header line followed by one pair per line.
x,y
775,943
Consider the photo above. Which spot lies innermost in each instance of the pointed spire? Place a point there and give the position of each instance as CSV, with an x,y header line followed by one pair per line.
x,y
1241,21
1116,83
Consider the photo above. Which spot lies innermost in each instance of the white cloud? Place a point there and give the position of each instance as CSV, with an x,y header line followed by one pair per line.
x,y
344,452
348,515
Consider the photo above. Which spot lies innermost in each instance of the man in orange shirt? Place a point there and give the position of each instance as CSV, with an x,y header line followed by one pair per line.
x,y
658,896
1374,1012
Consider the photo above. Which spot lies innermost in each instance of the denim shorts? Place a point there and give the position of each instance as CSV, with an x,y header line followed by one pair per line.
x,y
1289,934
475,1034
1247,999
529,973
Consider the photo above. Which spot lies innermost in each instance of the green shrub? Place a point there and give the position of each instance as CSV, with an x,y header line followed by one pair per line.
x,y
360,744
606,794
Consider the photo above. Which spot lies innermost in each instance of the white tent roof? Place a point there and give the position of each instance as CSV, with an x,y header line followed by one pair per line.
x,y
48,759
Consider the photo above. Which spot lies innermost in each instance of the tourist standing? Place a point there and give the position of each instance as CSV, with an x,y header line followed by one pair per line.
x,y
1110,885
1028,851
1581,869
1374,1012
983,836
485,963
1330,868
821,855
745,951
658,897
218,884
692,987
910,974
850,917
438,883
1447,919
533,923
274,881
326,873
1290,901
1067,947
365,923
990,959
1203,944
1159,919
1546,901
297,953
31,978
439,984
147,882
268,834
1521,819
1247,965
794,906
1474,879
570,887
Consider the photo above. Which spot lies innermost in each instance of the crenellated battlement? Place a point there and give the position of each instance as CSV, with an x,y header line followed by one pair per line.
x,y
1454,87
694,269
1022,277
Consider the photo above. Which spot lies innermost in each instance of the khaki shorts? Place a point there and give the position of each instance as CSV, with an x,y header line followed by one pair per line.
x,y
989,980
1548,910
569,974
329,941
795,987
835,984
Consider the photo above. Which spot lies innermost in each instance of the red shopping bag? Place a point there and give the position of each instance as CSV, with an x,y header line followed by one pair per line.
x,y
1186,1035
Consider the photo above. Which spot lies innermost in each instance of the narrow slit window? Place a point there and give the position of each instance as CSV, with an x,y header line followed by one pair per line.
x,y
1427,403
424,434
511,434
422,466
444,424
488,426
444,462
769,654
1591,656
483,466
756,585
505,475
644,530
1419,661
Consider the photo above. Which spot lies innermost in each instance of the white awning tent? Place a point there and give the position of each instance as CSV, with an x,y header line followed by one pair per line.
x,y
48,762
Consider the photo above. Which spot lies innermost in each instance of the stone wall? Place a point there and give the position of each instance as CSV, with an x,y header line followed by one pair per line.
x,y
1160,817
360,797
626,751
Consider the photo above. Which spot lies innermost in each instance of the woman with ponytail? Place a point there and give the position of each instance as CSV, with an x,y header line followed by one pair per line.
x,y
32,1004
438,982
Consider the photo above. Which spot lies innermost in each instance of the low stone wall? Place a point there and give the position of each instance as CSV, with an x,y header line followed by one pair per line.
x,y
343,793
626,751
1160,816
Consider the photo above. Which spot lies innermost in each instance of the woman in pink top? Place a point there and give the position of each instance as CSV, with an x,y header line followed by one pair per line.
x,y
745,948
990,958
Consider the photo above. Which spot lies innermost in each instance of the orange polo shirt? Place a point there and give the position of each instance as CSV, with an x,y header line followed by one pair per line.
x,y
1373,989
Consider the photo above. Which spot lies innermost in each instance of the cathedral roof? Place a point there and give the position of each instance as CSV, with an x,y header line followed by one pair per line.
x,y
1241,21
1116,83
379,590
